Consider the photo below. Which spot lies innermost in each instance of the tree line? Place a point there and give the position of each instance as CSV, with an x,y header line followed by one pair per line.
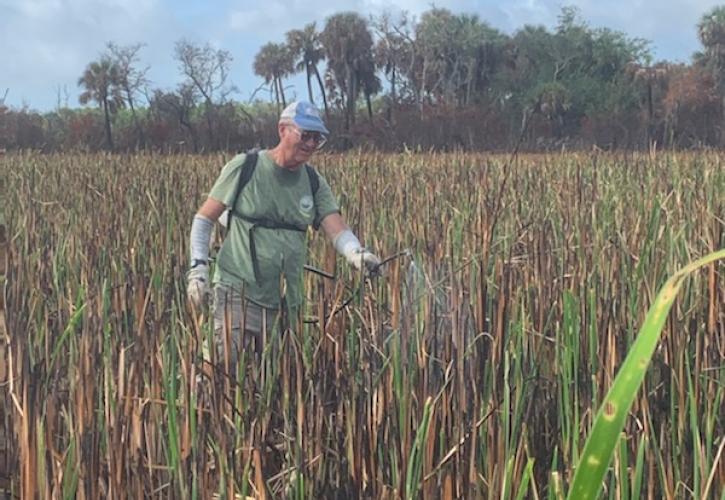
x,y
442,81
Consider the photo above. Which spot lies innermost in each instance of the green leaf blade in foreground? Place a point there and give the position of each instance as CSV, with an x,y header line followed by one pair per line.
x,y
611,416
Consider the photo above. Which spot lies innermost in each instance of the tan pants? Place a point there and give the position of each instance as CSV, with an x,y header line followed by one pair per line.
x,y
240,325
249,343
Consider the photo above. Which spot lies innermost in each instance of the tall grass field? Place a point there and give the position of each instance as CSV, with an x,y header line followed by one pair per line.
x,y
513,288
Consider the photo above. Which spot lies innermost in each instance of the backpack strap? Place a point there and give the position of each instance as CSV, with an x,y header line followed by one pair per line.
x,y
247,170
314,178
268,224
245,174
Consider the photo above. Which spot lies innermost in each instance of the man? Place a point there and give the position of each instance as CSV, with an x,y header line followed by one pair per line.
x,y
266,237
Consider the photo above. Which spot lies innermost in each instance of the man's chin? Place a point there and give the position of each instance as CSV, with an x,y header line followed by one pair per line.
x,y
303,155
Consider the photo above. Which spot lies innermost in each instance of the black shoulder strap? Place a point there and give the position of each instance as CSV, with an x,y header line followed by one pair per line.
x,y
314,179
245,174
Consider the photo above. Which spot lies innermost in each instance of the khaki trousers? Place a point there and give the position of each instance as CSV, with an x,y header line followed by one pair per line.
x,y
240,326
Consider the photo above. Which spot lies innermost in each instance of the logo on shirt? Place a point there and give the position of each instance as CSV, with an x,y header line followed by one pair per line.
x,y
306,204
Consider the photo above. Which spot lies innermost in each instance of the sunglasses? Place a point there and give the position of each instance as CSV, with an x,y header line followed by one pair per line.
x,y
316,138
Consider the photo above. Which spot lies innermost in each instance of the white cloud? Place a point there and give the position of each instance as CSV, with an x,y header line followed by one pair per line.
x,y
51,41
671,26
258,20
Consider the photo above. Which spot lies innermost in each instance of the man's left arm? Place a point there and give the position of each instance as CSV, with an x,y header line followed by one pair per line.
x,y
347,244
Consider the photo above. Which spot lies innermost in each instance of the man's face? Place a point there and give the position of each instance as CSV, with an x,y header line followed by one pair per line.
x,y
301,143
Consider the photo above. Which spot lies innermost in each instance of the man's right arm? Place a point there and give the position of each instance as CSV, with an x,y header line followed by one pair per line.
x,y
211,209
203,226
201,229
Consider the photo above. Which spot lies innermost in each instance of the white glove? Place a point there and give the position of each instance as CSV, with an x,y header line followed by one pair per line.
x,y
347,244
361,256
197,288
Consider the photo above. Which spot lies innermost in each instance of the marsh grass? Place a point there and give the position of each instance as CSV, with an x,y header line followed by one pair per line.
x,y
472,370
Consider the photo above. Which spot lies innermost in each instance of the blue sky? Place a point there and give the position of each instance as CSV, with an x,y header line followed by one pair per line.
x,y
46,44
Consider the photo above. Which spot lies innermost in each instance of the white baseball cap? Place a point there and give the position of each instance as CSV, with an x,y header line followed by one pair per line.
x,y
305,115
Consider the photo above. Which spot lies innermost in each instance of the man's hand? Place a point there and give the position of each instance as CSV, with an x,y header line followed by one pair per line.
x,y
360,257
347,245
197,288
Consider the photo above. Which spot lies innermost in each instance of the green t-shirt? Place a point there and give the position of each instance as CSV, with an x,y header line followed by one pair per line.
x,y
276,193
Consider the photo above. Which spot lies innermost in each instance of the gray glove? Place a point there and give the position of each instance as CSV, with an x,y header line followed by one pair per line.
x,y
197,288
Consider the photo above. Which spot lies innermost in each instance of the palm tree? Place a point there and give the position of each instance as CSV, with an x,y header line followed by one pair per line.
x,y
394,50
653,79
305,46
369,81
273,62
481,52
101,81
131,79
711,31
348,46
